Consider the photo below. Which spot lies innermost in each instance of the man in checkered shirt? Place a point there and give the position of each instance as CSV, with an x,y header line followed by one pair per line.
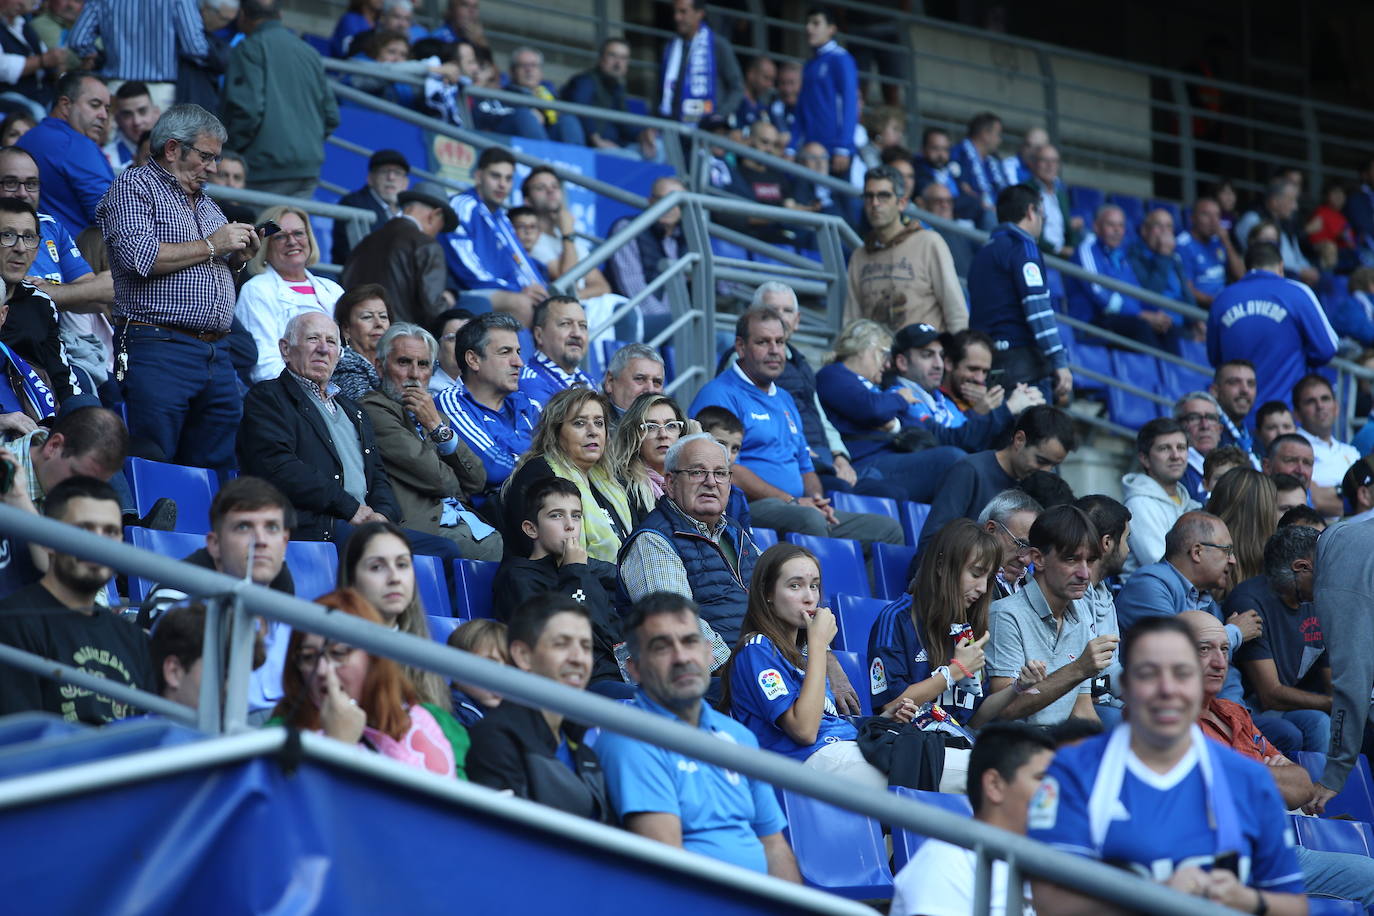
x,y
173,256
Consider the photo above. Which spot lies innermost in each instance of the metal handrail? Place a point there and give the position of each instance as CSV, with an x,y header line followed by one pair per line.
x,y
1022,854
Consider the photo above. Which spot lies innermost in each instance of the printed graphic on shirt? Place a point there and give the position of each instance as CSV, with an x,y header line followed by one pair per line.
x,y
877,677
772,684
1030,272
1044,806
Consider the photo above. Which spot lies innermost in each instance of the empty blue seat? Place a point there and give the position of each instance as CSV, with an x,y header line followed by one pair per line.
x,y
913,517
431,584
842,564
175,544
192,488
441,627
874,505
890,563
474,580
906,842
314,567
1084,202
1084,352
855,616
1329,835
854,665
763,537
1356,800
837,850
1142,371
1177,380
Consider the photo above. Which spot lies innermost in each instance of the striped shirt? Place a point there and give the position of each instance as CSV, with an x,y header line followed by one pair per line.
x,y
144,209
142,38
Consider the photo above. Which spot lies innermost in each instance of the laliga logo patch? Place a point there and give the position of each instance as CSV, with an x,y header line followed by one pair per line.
x,y
1044,806
877,677
1030,272
771,683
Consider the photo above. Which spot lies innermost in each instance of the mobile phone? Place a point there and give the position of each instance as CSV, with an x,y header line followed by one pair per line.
x,y
995,376
6,477
1230,861
268,228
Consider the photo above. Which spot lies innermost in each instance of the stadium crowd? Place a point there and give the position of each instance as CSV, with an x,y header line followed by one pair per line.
x,y
1061,658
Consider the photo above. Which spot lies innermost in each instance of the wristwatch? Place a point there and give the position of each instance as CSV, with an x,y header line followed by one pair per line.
x,y
441,434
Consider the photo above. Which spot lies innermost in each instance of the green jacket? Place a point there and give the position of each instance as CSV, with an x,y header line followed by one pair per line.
x,y
278,108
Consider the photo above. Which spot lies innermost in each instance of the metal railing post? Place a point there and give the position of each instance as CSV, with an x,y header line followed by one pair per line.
x,y
211,668
241,626
982,881
1187,152
1015,893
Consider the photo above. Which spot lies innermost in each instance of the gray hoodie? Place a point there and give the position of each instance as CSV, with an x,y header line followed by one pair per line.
x,y
1153,513
1344,595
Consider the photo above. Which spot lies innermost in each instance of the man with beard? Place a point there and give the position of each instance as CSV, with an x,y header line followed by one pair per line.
x,y
57,618
1233,386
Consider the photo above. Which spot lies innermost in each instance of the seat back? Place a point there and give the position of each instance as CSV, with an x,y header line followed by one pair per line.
x,y
853,665
906,842
193,489
890,563
474,581
1356,799
837,850
763,537
175,544
855,616
1141,370
853,502
1328,835
913,518
842,563
441,627
431,584
314,567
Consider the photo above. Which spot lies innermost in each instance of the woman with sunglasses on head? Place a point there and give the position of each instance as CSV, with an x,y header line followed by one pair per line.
x,y
648,428
359,698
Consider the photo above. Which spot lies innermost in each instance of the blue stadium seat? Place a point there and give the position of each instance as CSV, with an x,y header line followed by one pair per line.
x,y
669,363
1178,381
432,585
1141,370
853,502
474,580
1329,835
837,850
314,567
1133,207
1330,906
906,842
854,666
441,627
1083,352
890,563
913,517
175,544
763,537
842,564
855,617
1356,800
192,488
1084,202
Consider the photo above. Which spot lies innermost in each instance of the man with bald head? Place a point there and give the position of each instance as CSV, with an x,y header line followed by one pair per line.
x,y
1103,252
636,265
1209,258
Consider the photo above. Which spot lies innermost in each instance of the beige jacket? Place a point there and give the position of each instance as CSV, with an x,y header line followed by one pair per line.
x,y
908,281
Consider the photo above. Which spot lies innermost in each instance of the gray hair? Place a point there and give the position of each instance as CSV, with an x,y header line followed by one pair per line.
x,y
675,452
772,286
292,334
185,124
621,360
888,173
1103,208
476,334
390,5
526,49
1284,548
406,329
1194,396
1004,505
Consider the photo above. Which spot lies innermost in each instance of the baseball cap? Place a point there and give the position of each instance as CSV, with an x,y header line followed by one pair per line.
x,y
388,157
913,336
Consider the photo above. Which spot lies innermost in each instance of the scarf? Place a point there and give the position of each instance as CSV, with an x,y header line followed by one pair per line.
x,y
598,528
504,233
26,392
694,97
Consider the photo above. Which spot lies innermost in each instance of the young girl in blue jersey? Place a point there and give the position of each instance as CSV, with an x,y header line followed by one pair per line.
x,y
771,684
914,635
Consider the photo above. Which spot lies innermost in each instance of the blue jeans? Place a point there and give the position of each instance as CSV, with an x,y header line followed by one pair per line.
x,y
1281,733
182,396
1315,726
1337,874
918,473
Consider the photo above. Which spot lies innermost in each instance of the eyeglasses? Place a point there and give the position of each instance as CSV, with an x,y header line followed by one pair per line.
x,y
881,197
8,238
1190,418
1228,549
308,659
295,235
697,475
672,426
10,183
205,157
1023,548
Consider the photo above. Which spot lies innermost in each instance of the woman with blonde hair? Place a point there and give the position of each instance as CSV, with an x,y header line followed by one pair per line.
x,y
571,442
282,287
1246,500
648,428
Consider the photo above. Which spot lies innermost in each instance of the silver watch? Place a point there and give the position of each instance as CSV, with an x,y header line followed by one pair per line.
x,y
441,434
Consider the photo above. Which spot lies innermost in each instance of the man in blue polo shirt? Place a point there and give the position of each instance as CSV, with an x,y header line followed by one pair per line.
x,y
774,468
560,334
488,410
1009,299
667,796
66,145
1209,258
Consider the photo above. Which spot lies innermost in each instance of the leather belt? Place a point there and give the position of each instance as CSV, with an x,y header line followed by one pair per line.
x,y
203,336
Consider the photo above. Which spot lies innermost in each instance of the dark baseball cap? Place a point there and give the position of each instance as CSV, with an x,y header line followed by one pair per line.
x,y
388,157
913,336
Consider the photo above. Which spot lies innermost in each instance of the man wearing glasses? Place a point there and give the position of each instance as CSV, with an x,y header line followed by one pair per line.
x,y
1009,518
1200,416
173,255
28,316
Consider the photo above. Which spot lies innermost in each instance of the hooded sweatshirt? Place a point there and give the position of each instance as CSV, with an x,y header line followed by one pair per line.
x,y
1153,513
908,280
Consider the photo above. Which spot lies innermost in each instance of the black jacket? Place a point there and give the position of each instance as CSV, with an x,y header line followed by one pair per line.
x,y
31,331
591,584
284,439
512,748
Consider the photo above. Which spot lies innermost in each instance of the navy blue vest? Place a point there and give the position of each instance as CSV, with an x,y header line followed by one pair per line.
x,y
721,595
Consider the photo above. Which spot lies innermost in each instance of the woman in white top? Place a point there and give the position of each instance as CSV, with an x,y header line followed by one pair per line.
x,y
283,288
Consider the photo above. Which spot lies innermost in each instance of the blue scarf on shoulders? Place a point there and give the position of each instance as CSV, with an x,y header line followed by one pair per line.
x,y
695,97
26,392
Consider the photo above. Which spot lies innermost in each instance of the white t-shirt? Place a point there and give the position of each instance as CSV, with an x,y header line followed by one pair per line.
x,y
938,881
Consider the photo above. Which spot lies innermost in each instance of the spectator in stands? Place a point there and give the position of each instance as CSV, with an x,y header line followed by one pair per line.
x,y
359,19
527,78
728,431
1222,459
1112,521
1316,408
635,266
363,316
570,441
939,201
1233,385
536,753
557,563
29,317
934,163
1356,492
782,110
663,795
134,115
66,146
699,74
560,338
604,87
1020,169
32,56
1155,495
828,107
885,127
57,618
760,76
1200,416
1004,774
487,638
918,366
199,79
1280,204
634,370
232,172
1161,674
1047,488
15,126
1010,301
1062,231
1289,493
284,287
403,257
1352,315
1359,208
445,329
1042,438
1209,258
433,473
559,248
1007,517
174,650
1104,253
484,256
488,410
905,273
25,396
968,366
280,123
1273,419
775,468
388,174
174,290
1156,261
648,428
1245,500
463,23
775,683
980,171
1292,454
362,699
753,179
1045,622
139,41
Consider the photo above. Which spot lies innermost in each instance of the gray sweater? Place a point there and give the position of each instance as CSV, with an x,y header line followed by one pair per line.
x,y
1344,594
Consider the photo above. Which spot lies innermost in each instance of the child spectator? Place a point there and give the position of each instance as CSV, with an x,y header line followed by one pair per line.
x,y
487,638
727,429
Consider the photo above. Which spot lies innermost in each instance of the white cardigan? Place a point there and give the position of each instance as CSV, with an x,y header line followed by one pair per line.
x,y
267,303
